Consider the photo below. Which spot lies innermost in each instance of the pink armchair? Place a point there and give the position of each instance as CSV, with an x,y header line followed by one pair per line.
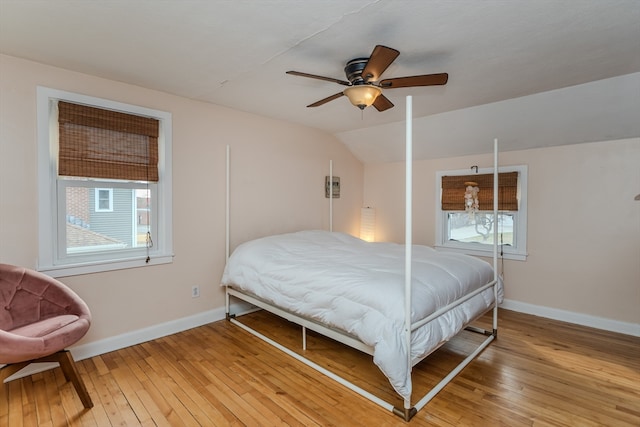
x,y
39,318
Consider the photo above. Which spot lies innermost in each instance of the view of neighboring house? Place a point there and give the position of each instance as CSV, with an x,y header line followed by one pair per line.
x,y
112,218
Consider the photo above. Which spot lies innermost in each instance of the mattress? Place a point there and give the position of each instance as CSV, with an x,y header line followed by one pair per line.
x,y
358,287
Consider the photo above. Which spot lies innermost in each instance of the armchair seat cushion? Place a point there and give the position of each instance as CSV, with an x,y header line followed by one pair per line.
x,y
45,327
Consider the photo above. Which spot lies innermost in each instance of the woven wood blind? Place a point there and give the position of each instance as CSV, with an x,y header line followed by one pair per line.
x,y
98,143
453,188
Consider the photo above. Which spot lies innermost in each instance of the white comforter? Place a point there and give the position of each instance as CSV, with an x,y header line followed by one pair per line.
x,y
358,287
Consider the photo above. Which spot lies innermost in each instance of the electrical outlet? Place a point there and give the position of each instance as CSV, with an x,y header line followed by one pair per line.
x,y
195,291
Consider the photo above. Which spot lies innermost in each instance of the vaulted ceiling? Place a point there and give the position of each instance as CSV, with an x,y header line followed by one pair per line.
x,y
533,73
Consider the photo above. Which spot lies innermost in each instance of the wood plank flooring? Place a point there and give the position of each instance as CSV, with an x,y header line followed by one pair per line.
x,y
538,372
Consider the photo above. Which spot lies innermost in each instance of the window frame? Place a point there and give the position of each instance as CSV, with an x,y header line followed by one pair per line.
x,y
51,257
517,252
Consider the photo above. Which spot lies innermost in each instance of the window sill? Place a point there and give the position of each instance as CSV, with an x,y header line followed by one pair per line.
x,y
101,266
516,256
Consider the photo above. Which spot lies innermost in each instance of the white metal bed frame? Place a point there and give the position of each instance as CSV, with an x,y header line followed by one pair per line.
x,y
408,410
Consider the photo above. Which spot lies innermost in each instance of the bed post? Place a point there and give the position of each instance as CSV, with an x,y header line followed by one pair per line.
x,y
408,410
495,236
227,208
226,221
330,195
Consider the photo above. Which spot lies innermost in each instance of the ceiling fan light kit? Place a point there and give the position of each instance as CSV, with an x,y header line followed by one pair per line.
x,y
362,96
364,87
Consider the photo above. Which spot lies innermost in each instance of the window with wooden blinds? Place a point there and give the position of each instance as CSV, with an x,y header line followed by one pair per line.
x,y
453,189
99,143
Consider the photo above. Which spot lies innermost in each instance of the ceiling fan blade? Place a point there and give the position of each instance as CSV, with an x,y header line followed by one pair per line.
x,y
325,100
313,76
380,59
424,80
382,103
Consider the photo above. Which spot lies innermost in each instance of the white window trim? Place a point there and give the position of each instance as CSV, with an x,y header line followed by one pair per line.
x,y
519,252
48,212
97,207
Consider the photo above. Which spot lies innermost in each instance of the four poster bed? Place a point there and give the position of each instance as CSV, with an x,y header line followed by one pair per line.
x,y
398,303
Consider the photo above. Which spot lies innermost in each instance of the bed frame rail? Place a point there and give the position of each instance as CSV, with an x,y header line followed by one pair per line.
x,y
302,321
451,306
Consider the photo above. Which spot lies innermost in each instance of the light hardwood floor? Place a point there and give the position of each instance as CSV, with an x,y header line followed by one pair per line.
x,y
538,372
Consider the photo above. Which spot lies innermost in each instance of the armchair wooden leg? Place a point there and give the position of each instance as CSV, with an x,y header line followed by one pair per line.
x,y
68,366
71,374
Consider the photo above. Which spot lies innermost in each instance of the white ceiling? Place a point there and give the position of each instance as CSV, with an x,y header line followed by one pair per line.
x,y
235,54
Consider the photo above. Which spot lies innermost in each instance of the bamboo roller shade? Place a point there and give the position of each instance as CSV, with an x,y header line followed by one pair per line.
x,y
453,188
98,143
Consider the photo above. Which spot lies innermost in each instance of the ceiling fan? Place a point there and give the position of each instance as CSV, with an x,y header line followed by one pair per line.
x,y
364,87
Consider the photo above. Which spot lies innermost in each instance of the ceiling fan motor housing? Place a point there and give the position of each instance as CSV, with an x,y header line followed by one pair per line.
x,y
353,70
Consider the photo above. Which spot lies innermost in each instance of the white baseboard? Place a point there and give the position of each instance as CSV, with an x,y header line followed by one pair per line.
x,y
139,336
573,317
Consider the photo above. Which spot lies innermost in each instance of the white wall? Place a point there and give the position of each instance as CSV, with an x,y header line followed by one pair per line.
x,y
583,224
277,177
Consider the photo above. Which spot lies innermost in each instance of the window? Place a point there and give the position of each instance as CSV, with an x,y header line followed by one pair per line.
x,y
473,233
104,184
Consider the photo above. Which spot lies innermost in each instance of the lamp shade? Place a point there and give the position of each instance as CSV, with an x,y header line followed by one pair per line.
x,y
368,224
362,96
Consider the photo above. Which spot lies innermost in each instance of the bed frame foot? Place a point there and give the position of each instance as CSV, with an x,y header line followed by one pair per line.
x,y
405,414
230,316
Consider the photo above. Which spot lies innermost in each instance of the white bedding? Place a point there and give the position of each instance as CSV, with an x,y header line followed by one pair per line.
x,y
358,287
